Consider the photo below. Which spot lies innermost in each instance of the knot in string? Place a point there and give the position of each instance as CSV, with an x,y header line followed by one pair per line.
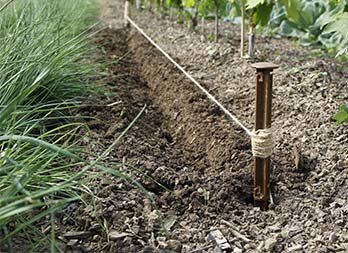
x,y
262,142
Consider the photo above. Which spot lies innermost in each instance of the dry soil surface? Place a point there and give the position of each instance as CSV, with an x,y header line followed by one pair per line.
x,y
195,164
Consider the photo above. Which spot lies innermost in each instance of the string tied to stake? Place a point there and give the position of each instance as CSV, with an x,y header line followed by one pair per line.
x,y
262,142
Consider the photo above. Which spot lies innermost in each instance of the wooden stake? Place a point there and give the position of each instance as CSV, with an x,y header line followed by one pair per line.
x,y
216,32
251,43
171,13
203,19
138,4
126,14
264,81
251,37
242,30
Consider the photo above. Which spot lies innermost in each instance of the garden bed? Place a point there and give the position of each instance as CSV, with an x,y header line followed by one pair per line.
x,y
196,164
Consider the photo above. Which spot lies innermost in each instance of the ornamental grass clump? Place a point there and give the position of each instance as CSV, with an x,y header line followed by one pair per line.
x,y
44,45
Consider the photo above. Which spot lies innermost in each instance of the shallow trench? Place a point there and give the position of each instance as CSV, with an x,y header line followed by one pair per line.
x,y
210,141
193,161
196,164
183,143
194,121
187,152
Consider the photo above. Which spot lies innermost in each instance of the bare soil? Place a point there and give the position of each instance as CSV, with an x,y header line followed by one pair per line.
x,y
171,151
196,165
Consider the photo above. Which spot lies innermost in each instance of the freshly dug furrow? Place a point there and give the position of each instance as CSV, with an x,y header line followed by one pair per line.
x,y
182,150
194,163
310,199
194,121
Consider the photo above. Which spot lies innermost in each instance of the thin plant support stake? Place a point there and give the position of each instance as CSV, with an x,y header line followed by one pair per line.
x,y
251,36
262,166
126,14
138,4
203,24
242,31
251,43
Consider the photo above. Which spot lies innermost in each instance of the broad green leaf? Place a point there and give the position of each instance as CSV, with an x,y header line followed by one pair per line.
x,y
253,3
340,25
307,15
233,9
343,51
288,29
330,16
293,9
262,14
342,115
189,3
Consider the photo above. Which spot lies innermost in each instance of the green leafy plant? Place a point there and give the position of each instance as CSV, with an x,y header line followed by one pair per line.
x,y
342,115
175,5
313,22
192,7
320,23
216,8
206,9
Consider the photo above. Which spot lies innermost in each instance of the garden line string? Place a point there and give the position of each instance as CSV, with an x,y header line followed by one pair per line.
x,y
261,139
211,97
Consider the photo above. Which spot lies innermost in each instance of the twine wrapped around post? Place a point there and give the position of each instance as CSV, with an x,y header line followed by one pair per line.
x,y
262,142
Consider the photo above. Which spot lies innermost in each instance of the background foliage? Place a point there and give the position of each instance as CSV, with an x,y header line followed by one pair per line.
x,y
316,23
322,23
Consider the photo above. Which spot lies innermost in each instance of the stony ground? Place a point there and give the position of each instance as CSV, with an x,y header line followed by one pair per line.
x,y
194,163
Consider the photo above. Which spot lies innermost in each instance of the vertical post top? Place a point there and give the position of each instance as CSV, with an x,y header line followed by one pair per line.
x,y
264,66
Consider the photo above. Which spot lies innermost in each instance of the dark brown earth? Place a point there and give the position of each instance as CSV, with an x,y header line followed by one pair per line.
x,y
196,165
182,153
191,160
